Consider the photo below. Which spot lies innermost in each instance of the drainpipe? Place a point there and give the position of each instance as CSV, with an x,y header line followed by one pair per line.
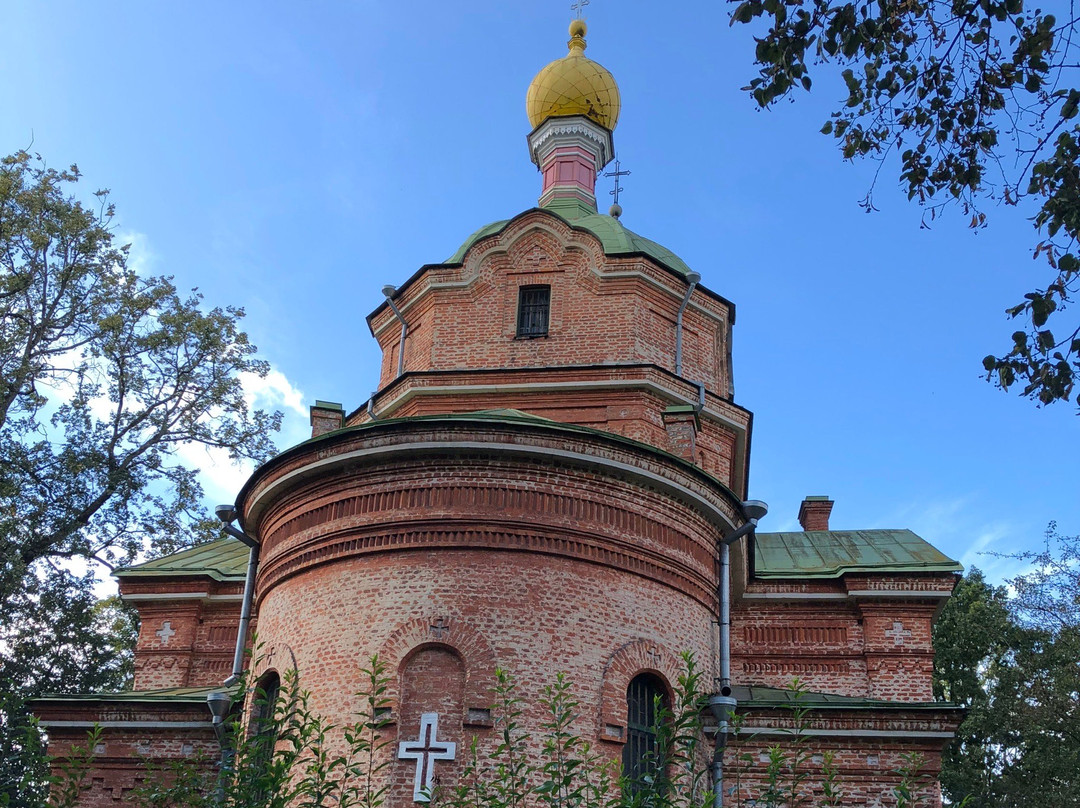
x,y
388,291
693,278
723,703
227,515
371,405
220,702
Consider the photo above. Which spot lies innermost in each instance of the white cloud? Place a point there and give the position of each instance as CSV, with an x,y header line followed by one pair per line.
x,y
141,258
274,391
957,528
222,478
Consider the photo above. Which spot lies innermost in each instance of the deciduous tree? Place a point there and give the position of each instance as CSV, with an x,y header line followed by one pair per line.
x,y
105,375
975,102
1020,743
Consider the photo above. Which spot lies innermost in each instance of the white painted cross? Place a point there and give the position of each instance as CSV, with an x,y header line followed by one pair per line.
x,y
425,750
166,632
898,632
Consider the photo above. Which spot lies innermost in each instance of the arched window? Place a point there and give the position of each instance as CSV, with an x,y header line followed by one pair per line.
x,y
644,696
262,734
263,706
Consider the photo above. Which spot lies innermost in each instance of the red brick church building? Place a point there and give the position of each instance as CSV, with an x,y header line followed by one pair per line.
x,y
551,477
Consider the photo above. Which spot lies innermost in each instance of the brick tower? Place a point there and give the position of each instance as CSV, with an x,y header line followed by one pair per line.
x,y
544,482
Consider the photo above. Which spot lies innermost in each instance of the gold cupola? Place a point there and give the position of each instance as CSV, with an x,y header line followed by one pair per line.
x,y
574,85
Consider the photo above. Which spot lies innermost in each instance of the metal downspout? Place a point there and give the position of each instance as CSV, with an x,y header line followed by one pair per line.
x,y
723,703
387,292
725,619
245,608
220,702
693,278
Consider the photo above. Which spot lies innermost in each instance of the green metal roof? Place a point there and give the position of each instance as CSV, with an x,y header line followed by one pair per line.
x,y
774,697
832,553
613,236
222,560
194,695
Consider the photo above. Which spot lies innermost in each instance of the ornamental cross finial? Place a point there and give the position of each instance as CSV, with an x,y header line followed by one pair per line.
x,y
617,173
579,8
425,750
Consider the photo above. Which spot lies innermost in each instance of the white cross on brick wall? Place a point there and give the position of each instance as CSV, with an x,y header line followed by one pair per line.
x,y
166,632
898,632
425,750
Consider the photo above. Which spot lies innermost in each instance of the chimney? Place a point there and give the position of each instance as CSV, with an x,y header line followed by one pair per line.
x,y
814,513
326,416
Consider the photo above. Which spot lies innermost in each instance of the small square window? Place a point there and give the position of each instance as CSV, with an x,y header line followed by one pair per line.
x,y
534,306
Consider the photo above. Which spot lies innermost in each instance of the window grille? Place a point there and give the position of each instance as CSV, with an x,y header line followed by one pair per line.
x,y
263,728
534,307
640,752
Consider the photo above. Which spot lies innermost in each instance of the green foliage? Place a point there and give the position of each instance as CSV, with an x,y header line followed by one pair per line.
x,y
299,759
88,648
910,789
787,782
1048,596
1020,742
104,376
293,760
973,98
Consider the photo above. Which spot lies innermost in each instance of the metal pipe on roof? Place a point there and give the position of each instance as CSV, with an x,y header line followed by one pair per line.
x,y
693,278
387,291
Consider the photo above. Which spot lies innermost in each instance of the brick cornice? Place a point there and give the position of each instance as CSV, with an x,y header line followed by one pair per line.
x,y
575,495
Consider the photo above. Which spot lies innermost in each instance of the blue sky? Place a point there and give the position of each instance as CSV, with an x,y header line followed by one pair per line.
x,y
292,158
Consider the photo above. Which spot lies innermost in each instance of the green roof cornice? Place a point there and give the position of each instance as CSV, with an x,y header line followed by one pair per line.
x,y
767,698
833,553
222,560
614,238
169,695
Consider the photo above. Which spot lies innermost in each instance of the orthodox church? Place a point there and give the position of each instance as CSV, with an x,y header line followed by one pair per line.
x,y
551,477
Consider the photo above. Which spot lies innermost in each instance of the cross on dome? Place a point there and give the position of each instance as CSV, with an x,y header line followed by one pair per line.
x,y
616,208
574,85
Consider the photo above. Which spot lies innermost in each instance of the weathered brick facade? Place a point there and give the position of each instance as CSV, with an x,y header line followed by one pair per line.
x,y
545,505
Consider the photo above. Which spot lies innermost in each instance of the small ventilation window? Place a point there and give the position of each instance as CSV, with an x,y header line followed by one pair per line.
x,y
534,308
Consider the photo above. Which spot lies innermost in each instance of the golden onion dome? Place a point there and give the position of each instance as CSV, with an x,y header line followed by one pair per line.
x,y
574,85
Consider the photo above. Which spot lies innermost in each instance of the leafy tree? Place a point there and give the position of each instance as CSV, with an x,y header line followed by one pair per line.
x,y
1049,596
975,100
1020,743
104,376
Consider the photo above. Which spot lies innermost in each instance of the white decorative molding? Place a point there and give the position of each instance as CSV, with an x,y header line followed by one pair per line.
x,y
127,724
748,731
578,129
150,597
